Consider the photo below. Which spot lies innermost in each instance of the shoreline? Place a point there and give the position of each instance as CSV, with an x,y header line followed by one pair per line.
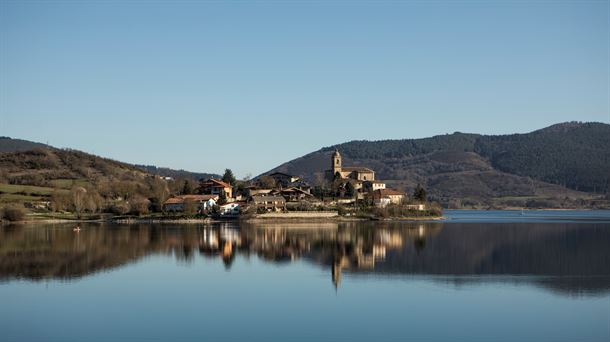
x,y
333,219
301,217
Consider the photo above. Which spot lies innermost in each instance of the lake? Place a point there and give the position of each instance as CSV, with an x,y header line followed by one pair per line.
x,y
478,276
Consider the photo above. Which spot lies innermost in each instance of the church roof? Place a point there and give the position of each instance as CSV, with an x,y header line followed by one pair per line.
x,y
356,168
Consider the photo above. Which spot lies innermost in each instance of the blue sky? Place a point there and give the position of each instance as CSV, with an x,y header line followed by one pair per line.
x,y
248,85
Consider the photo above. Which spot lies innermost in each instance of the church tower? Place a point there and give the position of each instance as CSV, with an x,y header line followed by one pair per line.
x,y
336,167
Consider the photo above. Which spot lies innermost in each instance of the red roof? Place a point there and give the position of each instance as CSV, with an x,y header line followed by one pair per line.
x,y
195,198
216,183
386,192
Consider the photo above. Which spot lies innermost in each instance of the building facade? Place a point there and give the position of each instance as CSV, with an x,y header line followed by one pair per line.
x,y
338,171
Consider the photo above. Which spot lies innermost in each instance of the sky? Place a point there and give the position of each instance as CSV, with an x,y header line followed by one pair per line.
x,y
205,86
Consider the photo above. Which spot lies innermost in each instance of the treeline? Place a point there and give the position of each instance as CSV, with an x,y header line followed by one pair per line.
x,y
167,172
575,155
382,149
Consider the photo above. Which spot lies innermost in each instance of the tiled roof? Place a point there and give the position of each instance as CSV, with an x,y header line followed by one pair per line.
x,y
215,183
387,192
259,199
280,173
196,198
356,168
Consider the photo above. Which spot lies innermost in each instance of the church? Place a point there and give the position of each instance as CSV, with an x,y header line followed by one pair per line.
x,y
362,174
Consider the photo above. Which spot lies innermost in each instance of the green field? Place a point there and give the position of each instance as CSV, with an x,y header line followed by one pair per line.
x,y
26,189
12,193
68,183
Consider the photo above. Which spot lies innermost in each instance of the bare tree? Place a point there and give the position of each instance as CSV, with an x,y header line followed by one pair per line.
x,y
79,196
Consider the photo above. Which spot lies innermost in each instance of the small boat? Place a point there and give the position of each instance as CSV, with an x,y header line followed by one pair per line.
x,y
76,229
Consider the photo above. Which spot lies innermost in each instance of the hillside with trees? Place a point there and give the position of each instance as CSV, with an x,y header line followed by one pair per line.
x,y
167,172
80,184
564,165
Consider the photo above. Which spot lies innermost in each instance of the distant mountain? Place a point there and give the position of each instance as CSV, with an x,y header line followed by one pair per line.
x,y
167,172
567,162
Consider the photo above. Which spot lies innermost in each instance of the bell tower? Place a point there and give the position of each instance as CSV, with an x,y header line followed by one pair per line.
x,y
336,160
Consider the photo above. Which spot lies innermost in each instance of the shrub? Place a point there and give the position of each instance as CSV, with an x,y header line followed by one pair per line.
x,y
120,208
13,213
139,205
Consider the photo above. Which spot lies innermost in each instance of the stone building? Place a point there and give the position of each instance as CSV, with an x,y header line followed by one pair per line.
x,y
357,173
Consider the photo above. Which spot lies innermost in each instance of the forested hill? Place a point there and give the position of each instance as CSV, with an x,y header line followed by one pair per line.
x,y
570,155
17,150
167,172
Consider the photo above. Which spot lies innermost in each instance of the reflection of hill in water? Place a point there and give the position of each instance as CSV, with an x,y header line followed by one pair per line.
x,y
566,258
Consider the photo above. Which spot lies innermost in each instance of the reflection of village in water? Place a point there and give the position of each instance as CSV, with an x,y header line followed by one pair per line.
x,y
340,246
566,258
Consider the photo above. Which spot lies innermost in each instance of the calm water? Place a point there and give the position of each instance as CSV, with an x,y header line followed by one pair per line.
x,y
478,276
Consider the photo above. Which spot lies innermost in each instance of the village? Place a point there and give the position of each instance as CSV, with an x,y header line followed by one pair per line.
x,y
346,191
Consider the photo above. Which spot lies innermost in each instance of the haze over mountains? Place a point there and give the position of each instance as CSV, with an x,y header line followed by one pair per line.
x,y
561,165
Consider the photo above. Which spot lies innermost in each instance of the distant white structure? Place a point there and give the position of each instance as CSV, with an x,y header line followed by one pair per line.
x,y
203,202
230,209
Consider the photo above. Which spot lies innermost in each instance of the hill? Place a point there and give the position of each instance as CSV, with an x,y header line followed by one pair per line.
x,y
44,175
16,145
167,172
562,165
8,144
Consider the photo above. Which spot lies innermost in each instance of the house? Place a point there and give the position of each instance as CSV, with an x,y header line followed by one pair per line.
x,y
269,203
216,187
203,202
292,194
254,191
419,207
372,185
230,209
383,197
284,179
338,171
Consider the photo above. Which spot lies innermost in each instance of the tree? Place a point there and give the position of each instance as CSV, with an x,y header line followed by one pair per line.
x,y
247,177
93,200
60,200
190,207
13,213
79,197
350,191
187,189
419,194
228,177
139,205
222,198
159,193
266,182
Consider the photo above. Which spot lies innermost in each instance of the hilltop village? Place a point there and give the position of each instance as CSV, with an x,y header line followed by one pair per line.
x,y
347,191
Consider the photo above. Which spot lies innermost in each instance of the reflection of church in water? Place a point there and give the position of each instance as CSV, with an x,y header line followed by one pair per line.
x,y
341,247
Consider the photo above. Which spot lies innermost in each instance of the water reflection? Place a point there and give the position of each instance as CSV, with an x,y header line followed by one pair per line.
x,y
567,258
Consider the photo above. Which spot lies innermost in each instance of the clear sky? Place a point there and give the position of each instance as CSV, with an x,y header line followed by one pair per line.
x,y
248,85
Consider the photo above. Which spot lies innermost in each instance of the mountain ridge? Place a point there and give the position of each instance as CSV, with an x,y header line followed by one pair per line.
x,y
15,145
570,159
